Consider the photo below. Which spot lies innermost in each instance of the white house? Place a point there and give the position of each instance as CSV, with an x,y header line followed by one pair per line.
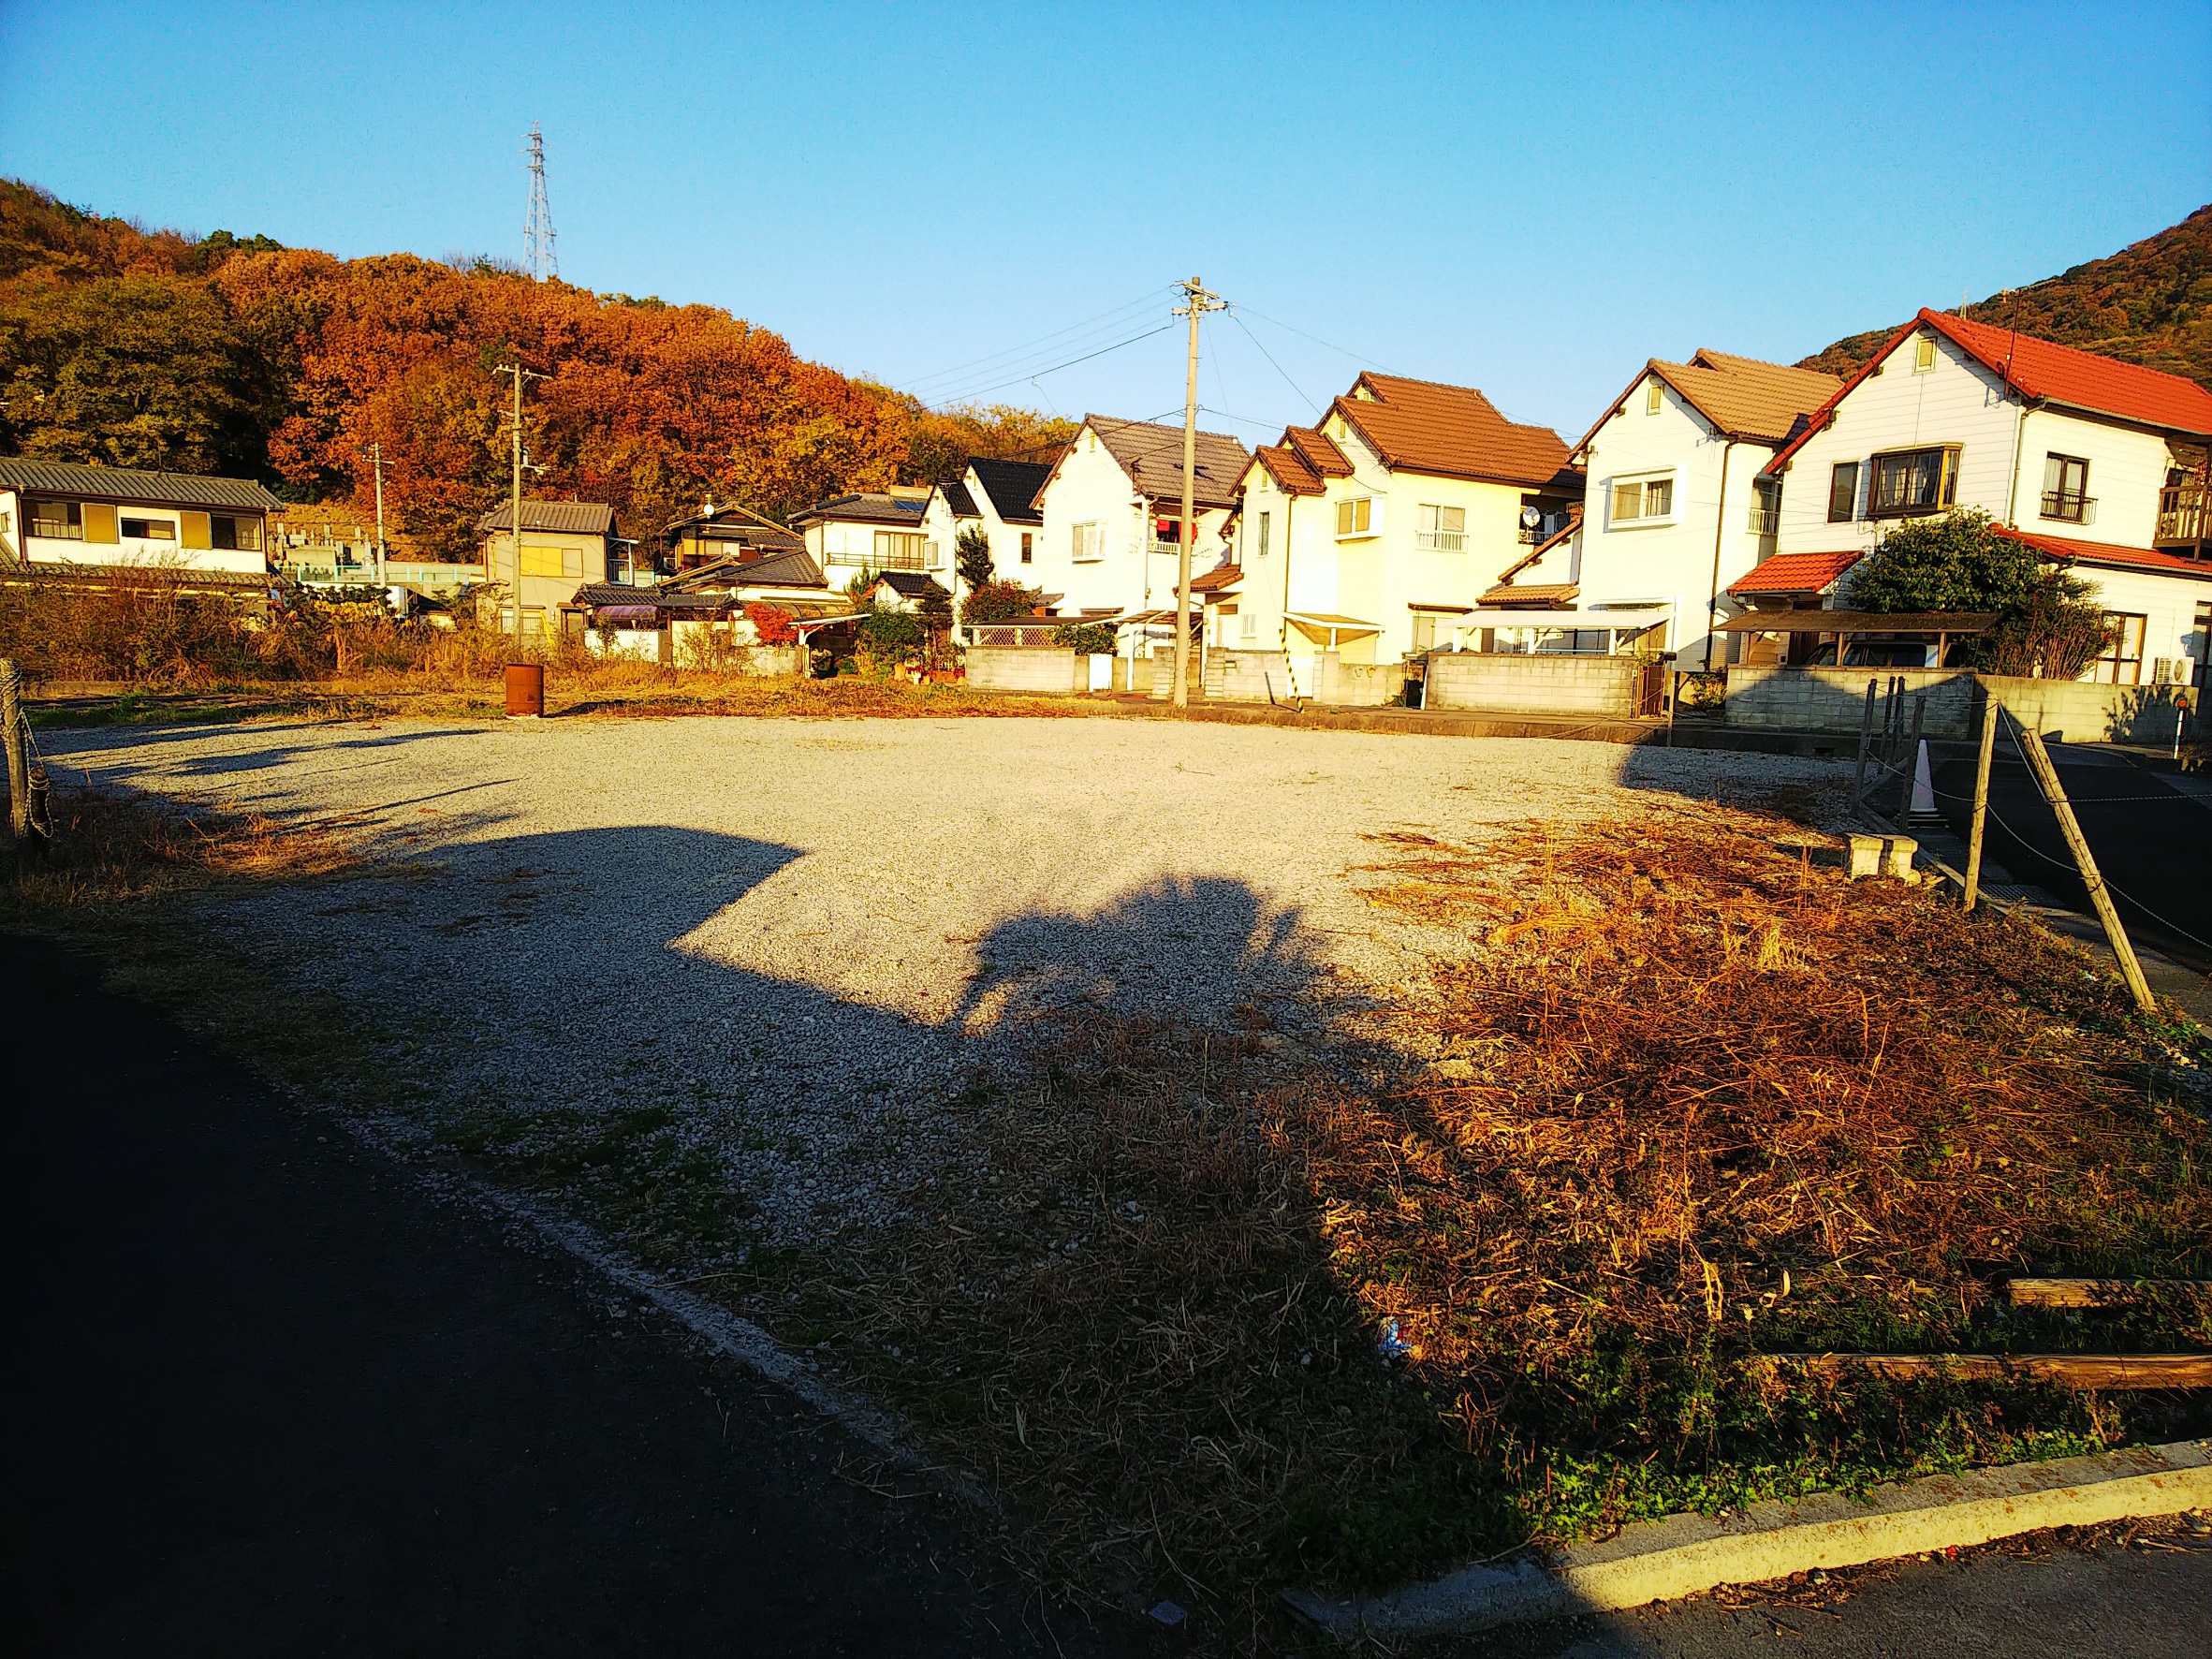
x,y
1677,508
2098,464
112,518
997,497
1374,532
1111,507
873,530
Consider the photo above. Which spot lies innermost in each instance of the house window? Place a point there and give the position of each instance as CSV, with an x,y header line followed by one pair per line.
x,y
1423,630
1910,481
552,562
1654,397
1248,627
2122,661
151,529
1843,492
2066,489
57,521
238,536
1263,536
1089,543
1767,506
1356,516
1641,500
1924,353
1028,553
898,550
1443,529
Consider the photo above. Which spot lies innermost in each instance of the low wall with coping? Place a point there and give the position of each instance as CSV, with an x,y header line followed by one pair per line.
x,y
1356,685
1028,667
1604,688
1247,676
1834,700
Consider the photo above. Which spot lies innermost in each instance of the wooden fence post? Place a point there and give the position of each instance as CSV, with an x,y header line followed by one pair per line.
x,y
1858,778
2046,777
19,756
1973,840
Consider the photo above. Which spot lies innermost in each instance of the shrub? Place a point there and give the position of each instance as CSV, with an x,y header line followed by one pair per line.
x,y
1955,562
971,556
998,601
1092,638
772,624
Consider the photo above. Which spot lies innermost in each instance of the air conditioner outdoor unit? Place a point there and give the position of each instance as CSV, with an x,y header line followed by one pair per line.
x,y
2163,671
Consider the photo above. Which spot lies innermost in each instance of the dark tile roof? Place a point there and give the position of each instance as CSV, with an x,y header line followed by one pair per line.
x,y
739,525
912,584
554,517
164,577
120,483
1012,486
865,508
1153,456
793,568
956,497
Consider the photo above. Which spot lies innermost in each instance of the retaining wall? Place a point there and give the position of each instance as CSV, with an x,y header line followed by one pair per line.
x,y
1603,686
1834,699
1027,667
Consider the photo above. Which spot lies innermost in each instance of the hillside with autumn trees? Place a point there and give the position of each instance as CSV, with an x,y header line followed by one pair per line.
x,y
2149,303
146,348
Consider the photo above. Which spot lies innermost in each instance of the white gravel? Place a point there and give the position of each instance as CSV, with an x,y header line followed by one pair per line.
x,y
804,934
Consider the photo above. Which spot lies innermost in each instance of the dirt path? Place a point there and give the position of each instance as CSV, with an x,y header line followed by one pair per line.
x,y
266,1394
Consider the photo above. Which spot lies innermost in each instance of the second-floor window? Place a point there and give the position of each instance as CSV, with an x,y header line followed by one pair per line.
x,y
1637,501
58,521
1843,491
151,529
1906,482
1357,517
896,549
234,535
1441,529
1028,552
1263,536
1767,506
1089,543
2066,489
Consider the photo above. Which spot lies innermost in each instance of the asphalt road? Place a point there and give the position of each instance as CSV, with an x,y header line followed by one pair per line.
x,y
261,1394
2152,842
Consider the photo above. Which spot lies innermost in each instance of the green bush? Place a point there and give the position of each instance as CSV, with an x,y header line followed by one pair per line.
x,y
1089,639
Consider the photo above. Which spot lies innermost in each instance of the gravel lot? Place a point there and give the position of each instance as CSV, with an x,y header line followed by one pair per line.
x,y
805,935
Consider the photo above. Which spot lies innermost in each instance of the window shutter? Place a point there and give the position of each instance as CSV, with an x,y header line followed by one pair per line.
x,y
99,522
196,530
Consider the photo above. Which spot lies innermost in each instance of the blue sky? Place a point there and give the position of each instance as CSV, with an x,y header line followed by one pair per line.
x,y
1529,200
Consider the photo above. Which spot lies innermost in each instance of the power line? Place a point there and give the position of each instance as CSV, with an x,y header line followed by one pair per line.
x,y
1001,361
1026,376
1271,362
1358,357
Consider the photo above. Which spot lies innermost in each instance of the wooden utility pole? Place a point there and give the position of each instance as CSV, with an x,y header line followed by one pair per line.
x,y
376,460
2046,778
1973,840
1196,304
19,757
515,523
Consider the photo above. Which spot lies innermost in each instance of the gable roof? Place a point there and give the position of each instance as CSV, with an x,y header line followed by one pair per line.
x,y
2043,372
554,517
1318,450
120,483
955,492
1012,486
1739,397
1796,573
1289,469
1450,431
910,584
864,506
1220,579
1153,456
739,525
792,567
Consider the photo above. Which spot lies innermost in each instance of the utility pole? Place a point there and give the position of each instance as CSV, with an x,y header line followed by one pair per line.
x,y
515,520
376,460
1196,304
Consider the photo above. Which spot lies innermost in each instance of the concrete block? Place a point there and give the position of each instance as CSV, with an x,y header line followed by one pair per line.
x,y
1863,857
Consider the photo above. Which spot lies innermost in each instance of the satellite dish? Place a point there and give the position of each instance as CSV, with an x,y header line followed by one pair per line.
x,y
1531,517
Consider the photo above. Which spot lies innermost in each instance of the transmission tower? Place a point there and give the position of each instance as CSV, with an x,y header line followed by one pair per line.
x,y
537,235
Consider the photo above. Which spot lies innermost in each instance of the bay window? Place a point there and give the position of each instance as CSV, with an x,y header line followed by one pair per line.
x,y
1909,482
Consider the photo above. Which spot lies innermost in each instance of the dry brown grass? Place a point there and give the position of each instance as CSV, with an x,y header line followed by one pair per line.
x,y
1688,1064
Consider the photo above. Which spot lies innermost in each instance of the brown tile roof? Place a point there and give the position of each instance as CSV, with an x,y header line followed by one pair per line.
x,y
1218,580
1572,525
1450,431
1535,595
1743,397
1289,469
1153,456
1318,450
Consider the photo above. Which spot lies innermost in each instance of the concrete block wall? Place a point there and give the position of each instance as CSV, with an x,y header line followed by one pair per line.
x,y
1356,685
1027,667
1598,686
1835,699
1246,676
2091,714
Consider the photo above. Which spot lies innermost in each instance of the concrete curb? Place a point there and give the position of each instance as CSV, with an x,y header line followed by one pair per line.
x,y
1657,1560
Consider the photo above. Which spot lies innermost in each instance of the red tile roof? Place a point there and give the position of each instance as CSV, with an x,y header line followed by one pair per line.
x,y
1220,579
1318,450
1289,469
1450,431
1796,573
2043,372
2108,553
2061,375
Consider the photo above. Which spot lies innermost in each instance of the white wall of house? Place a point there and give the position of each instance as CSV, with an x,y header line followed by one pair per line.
x,y
1110,564
1620,560
2167,605
181,524
850,543
2127,469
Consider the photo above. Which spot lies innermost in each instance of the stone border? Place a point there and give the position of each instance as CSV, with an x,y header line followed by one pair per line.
x,y
1658,1561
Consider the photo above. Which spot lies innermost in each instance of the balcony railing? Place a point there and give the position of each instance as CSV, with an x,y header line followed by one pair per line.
x,y
1170,548
1440,541
1544,529
2068,507
1765,520
2181,513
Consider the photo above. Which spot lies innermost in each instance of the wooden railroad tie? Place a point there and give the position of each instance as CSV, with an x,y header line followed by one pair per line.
x,y
2074,1370
2094,1292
